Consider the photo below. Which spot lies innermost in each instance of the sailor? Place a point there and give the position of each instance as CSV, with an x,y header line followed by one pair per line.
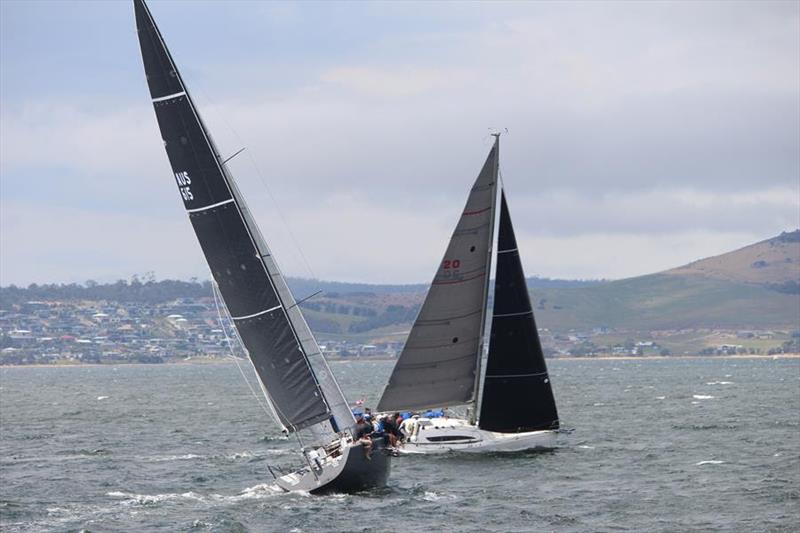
x,y
410,427
392,429
363,430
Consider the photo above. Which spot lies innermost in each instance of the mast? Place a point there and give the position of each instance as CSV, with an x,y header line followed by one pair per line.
x,y
265,315
473,412
439,363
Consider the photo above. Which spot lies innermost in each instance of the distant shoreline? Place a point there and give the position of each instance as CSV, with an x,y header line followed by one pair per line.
x,y
371,359
661,357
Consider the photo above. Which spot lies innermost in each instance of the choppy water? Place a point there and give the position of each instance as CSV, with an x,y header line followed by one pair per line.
x,y
660,445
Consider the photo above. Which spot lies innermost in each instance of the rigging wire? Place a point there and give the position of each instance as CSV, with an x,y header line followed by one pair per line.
x,y
272,409
218,304
284,222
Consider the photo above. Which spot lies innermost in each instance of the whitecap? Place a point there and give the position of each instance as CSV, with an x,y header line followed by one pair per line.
x,y
431,496
184,457
599,404
257,492
661,397
101,397
247,454
719,383
585,447
151,499
702,397
709,462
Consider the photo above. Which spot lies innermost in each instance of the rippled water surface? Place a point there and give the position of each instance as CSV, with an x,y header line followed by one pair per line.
x,y
659,445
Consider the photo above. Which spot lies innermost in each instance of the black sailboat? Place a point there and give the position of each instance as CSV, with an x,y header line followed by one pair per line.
x,y
298,385
512,408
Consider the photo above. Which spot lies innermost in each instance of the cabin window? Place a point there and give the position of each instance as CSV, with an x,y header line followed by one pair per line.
x,y
448,438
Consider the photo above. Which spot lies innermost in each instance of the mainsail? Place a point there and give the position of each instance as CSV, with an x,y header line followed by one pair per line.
x,y
283,350
516,392
439,364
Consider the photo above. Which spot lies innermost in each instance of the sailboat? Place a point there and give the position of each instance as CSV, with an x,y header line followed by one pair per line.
x,y
297,383
511,403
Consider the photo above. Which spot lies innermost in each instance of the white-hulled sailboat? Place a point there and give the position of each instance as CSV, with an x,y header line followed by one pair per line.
x,y
511,404
297,383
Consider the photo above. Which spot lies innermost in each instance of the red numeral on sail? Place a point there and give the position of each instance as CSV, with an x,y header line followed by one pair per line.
x,y
455,263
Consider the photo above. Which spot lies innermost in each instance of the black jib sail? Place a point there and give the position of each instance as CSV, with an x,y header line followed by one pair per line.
x,y
516,390
253,289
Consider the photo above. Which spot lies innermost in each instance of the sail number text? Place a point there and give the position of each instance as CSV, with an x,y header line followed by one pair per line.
x,y
451,263
183,185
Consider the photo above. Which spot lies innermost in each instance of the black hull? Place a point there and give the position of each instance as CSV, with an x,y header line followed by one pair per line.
x,y
359,473
354,472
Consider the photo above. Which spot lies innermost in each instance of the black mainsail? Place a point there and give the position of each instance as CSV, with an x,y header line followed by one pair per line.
x,y
517,395
269,323
440,360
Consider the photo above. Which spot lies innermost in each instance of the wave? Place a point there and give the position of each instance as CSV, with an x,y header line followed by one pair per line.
x,y
185,457
235,456
431,496
704,427
72,454
709,462
268,438
702,397
257,492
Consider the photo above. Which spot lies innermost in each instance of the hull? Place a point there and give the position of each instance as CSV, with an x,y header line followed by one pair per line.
x,y
445,435
348,470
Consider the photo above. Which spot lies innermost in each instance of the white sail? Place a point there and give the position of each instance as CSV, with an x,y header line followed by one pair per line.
x,y
439,364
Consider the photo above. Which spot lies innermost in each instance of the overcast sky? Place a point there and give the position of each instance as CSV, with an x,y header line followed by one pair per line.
x,y
642,135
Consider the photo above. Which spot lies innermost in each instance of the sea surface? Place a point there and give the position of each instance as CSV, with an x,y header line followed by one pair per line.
x,y
657,445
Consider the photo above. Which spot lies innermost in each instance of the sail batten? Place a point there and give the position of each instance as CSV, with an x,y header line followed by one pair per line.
x,y
246,275
438,366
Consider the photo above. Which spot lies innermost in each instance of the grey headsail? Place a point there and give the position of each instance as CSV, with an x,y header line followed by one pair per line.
x,y
516,392
439,362
263,310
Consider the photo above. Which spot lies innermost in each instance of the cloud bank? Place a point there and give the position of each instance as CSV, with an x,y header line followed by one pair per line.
x,y
641,136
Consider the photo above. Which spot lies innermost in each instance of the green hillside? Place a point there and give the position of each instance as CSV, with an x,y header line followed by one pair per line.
x,y
753,288
666,302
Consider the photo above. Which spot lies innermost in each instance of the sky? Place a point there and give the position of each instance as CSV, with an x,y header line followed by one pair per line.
x,y
641,135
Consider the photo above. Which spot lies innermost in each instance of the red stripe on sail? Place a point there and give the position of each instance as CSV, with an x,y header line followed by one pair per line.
x,y
457,280
478,212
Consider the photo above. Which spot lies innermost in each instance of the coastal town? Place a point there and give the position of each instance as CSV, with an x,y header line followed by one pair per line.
x,y
192,329
53,332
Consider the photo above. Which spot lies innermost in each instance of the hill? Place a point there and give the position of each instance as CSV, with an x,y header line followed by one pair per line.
x,y
702,304
757,286
772,263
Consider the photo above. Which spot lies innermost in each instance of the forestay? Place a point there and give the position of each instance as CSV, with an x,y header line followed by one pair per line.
x,y
263,310
516,395
439,362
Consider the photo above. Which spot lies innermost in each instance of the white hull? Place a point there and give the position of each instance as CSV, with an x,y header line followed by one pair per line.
x,y
444,435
